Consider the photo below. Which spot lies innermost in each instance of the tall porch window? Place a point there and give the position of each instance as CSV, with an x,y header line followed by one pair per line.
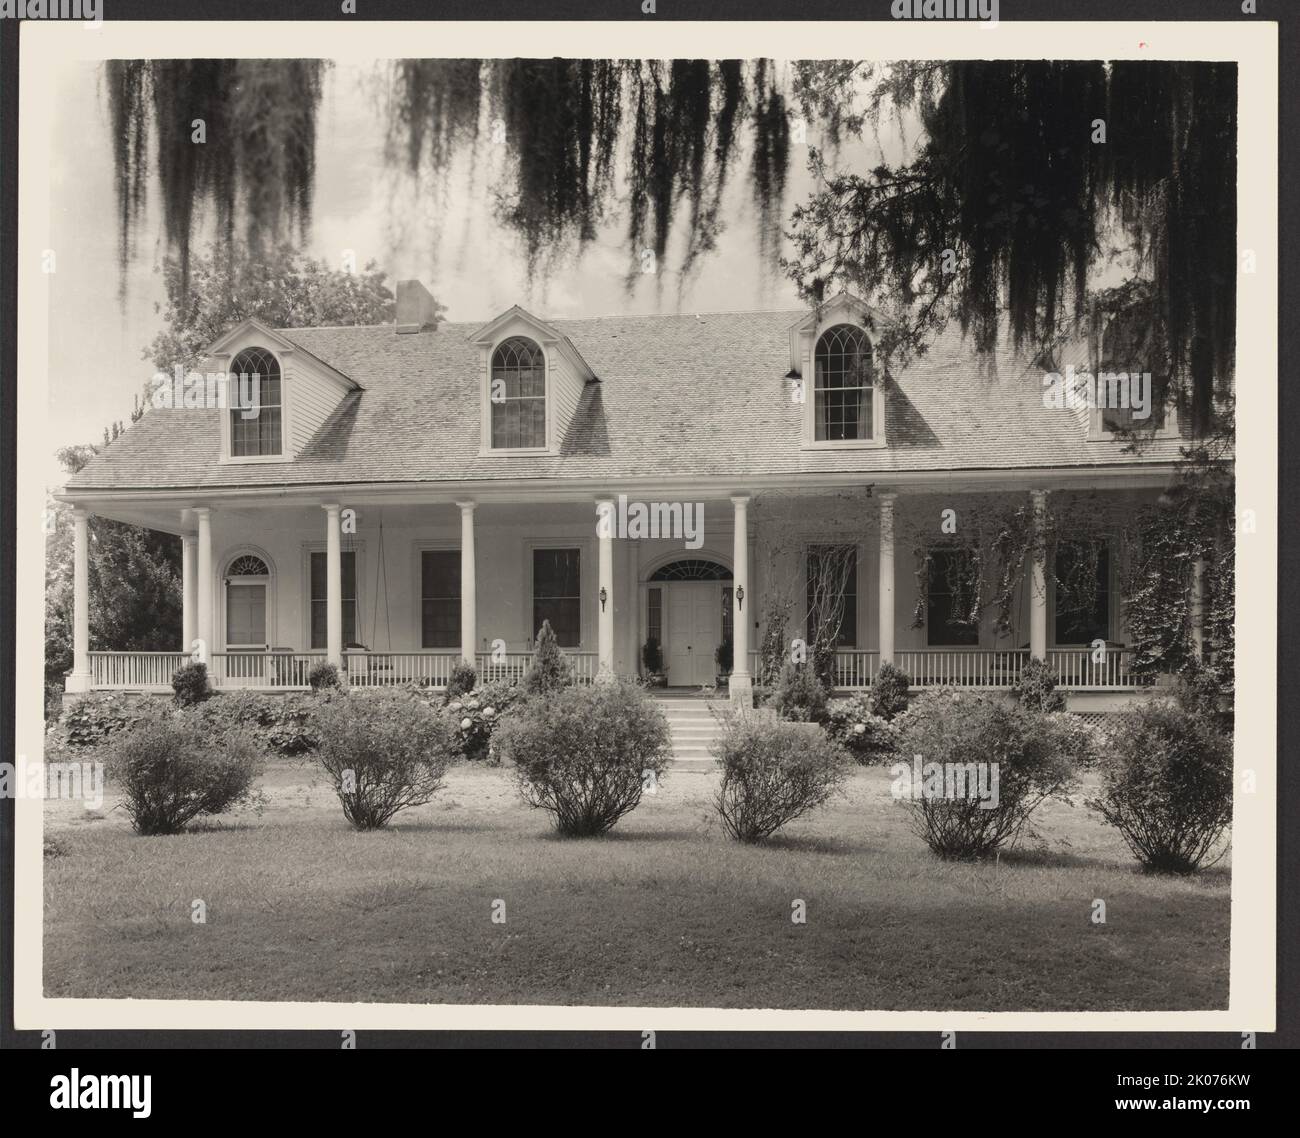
x,y
319,598
557,594
1082,608
950,599
440,598
832,576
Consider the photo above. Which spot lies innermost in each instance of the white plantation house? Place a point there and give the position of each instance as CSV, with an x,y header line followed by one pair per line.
x,y
407,496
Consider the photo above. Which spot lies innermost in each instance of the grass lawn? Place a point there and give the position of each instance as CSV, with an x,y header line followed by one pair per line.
x,y
665,911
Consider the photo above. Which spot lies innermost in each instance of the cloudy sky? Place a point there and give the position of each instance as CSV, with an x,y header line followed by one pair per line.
x,y
445,237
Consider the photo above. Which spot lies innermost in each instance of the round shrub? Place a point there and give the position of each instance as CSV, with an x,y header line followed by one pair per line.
x,y
1036,687
462,680
281,724
888,692
1166,785
174,766
475,716
89,720
973,768
190,684
324,677
772,773
854,726
383,751
799,695
586,753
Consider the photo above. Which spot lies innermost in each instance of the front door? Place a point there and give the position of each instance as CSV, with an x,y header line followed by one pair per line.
x,y
694,614
245,629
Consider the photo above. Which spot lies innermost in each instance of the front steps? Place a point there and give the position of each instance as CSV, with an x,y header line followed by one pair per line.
x,y
694,728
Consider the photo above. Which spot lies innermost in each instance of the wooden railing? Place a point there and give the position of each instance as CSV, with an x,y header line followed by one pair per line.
x,y
962,667
854,668
110,670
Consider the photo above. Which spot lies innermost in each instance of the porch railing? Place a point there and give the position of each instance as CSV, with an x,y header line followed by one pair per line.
x,y
134,669
854,668
510,667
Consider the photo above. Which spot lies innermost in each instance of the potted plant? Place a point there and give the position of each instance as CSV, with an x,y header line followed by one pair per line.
x,y
723,658
652,659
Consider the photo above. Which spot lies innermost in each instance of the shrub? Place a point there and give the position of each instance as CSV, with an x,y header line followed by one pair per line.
x,y
475,717
772,773
723,657
462,680
1016,758
384,751
888,692
584,753
1036,687
190,684
865,735
324,677
280,723
174,766
88,721
652,657
799,695
549,670
1166,785
1198,691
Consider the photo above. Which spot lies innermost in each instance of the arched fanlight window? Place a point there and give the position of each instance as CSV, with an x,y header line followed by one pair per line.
x,y
692,569
248,565
256,404
518,395
843,403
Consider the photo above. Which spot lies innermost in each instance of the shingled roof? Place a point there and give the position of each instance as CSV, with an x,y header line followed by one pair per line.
x,y
677,394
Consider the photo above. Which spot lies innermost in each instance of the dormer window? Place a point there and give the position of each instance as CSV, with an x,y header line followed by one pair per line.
x,y
256,405
518,395
844,403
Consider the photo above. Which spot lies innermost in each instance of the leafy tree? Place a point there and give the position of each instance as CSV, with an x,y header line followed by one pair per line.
x,y
283,290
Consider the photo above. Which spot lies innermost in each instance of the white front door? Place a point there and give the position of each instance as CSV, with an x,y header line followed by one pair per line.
x,y
694,628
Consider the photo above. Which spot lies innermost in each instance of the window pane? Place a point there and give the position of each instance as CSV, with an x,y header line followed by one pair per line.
x,y
1075,625
842,385
946,610
440,598
319,594
832,579
518,393
654,615
557,593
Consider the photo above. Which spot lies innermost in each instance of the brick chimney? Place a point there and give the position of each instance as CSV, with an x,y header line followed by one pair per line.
x,y
416,308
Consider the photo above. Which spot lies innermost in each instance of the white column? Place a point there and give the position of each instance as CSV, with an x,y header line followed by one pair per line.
x,y
189,591
205,598
468,587
1198,609
1038,581
333,587
885,579
742,603
605,589
78,680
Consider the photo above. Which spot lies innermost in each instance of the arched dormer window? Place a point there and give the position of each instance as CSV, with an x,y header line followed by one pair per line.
x,y
256,401
517,395
843,388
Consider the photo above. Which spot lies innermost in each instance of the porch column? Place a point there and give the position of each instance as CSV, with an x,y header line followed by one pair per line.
x,y
605,590
78,680
1038,581
204,622
468,587
333,587
1198,609
189,591
885,579
741,683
